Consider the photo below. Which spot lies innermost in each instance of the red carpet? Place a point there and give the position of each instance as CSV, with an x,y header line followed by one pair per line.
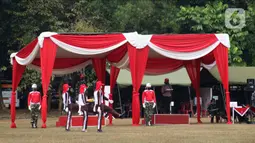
x,y
169,119
78,121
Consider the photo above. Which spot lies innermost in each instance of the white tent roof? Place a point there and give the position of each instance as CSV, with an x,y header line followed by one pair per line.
x,y
179,77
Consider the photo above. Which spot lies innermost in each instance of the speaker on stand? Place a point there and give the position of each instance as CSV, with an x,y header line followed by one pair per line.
x,y
250,88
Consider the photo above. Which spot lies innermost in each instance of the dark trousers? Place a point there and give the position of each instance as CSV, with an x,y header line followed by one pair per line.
x,y
85,110
217,118
166,102
99,110
69,115
111,111
89,108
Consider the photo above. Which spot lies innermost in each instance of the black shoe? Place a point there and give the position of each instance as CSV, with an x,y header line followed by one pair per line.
x,y
35,124
106,115
32,124
122,115
99,131
67,129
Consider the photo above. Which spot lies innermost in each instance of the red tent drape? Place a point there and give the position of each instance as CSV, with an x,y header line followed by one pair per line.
x,y
137,64
113,77
99,65
193,69
221,57
48,54
17,71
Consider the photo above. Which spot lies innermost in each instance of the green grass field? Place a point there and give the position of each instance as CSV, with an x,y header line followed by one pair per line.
x,y
122,131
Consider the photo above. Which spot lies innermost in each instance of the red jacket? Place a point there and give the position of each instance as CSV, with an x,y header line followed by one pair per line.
x,y
34,97
148,95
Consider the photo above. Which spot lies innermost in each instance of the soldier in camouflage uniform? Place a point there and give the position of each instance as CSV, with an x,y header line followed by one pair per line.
x,y
34,105
149,103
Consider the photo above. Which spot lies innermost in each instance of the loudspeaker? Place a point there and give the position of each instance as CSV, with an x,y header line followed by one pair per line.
x,y
250,81
250,85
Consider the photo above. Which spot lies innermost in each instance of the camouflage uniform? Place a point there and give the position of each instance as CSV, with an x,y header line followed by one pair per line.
x,y
34,113
148,112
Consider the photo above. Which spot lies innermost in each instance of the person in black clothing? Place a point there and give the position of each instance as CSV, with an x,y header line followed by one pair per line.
x,y
213,110
166,91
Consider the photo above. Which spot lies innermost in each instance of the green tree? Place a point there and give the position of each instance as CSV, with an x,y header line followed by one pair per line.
x,y
21,21
210,19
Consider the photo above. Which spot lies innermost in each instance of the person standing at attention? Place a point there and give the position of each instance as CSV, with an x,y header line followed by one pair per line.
x,y
34,105
166,91
149,103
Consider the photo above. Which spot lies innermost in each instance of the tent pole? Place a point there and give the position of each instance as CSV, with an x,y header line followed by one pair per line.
x,y
223,96
119,98
156,101
190,101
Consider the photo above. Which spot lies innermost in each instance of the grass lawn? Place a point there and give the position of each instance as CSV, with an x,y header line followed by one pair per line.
x,y
122,131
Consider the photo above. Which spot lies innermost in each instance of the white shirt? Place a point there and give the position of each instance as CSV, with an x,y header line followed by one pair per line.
x,y
100,100
66,99
82,101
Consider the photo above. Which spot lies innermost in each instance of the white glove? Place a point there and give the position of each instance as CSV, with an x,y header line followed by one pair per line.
x,y
94,108
39,107
154,105
98,110
110,101
80,113
66,109
29,108
143,105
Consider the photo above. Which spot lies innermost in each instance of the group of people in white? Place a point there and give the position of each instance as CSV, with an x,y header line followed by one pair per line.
x,y
95,105
86,105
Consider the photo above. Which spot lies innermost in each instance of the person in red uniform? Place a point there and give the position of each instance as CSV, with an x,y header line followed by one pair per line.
x,y
149,103
34,105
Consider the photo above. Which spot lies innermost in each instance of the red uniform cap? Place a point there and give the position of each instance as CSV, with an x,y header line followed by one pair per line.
x,y
99,84
82,88
65,88
166,80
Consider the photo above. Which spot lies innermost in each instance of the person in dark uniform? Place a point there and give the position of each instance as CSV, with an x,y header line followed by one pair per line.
x,y
166,91
213,111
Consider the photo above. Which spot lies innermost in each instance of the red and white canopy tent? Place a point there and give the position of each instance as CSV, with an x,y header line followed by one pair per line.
x,y
53,53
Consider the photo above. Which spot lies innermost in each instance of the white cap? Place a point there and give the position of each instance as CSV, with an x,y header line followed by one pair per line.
x,y
148,85
34,86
